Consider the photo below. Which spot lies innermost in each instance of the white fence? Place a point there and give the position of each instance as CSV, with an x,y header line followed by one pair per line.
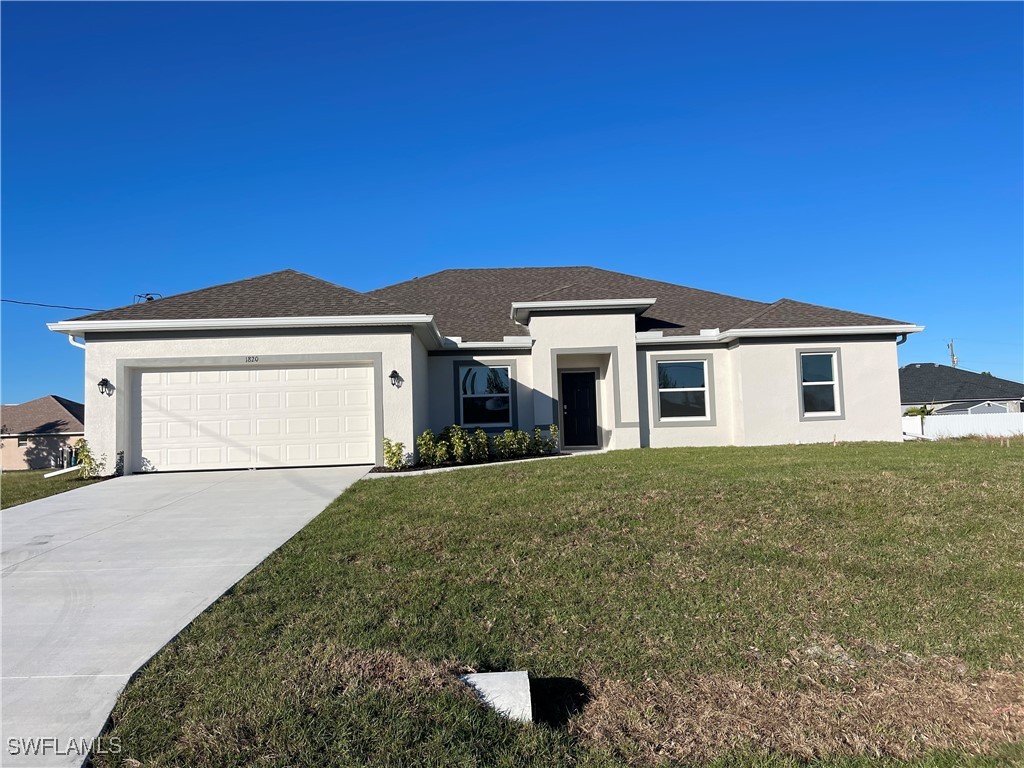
x,y
981,424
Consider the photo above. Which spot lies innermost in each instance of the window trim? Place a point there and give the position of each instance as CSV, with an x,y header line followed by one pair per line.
x,y
510,366
837,385
23,441
709,417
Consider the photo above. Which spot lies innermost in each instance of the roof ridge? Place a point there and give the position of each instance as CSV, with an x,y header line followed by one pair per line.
x,y
366,294
763,311
553,290
674,285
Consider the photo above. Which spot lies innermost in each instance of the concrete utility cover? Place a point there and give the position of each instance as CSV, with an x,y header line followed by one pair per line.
x,y
506,692
97,580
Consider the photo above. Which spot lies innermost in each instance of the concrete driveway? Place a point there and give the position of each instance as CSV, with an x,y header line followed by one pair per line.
x,y
95,581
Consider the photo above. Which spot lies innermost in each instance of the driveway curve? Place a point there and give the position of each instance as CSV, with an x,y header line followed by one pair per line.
x,y
96,580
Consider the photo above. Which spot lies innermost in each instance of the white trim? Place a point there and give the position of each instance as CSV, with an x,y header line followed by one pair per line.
x,y
510,342
521,309
78,327
462,396
706,389
41,434
85,326
832,382
844,330
647,338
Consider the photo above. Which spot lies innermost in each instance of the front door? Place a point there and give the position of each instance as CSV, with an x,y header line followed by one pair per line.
x,y
579,409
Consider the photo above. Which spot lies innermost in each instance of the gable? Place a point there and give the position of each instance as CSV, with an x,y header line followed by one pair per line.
x,y
44,415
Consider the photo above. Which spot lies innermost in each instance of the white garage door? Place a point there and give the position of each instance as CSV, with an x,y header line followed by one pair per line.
x,y
266,417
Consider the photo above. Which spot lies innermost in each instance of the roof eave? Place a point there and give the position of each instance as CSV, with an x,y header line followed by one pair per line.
x,y
423,323
650,338
521,310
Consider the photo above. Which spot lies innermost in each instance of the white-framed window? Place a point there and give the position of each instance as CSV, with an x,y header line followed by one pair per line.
x,y
682,390
819,384
22,441
485,396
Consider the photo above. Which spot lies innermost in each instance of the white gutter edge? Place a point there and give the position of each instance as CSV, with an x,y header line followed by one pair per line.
x,y
73,327
522,309
643,339
73,343
522,342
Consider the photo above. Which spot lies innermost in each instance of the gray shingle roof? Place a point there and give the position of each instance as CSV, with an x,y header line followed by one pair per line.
x,y
49,414
475,303
786,313
934,383
279,294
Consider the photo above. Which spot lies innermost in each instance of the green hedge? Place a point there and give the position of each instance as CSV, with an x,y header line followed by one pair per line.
x,y
456,445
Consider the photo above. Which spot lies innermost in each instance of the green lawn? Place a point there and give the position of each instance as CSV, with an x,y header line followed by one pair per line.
x,y
29,485
726,606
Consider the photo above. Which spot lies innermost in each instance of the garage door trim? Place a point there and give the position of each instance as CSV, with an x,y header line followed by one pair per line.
x,y
128,368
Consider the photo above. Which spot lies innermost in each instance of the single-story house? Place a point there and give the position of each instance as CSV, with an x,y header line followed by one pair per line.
x,y
34,434
286,369
955,391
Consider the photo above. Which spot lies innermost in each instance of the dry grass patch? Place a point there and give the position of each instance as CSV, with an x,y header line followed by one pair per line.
x,y
893,705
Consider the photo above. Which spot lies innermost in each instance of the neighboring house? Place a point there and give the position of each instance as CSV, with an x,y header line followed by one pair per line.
x,y
286,369
954,391
34,433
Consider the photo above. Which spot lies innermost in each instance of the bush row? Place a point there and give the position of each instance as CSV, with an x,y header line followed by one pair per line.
x,y
456,445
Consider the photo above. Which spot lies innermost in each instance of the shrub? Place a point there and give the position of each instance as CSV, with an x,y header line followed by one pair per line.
x,y
512,444
442,452
553,439
91,466
538,444
458,442
480,446
394,454
426,446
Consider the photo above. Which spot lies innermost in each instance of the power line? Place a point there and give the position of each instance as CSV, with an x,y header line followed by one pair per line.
x,y
51,306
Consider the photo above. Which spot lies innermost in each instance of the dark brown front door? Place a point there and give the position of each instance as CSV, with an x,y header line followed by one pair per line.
x,y
579,408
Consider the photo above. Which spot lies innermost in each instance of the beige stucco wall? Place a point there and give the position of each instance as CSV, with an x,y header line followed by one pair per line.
x,y
102,356
723,392
770,398
596,334
40,453
444,387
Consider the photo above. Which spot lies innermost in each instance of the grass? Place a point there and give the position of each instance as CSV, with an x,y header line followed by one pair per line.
x,y
29,484
725,606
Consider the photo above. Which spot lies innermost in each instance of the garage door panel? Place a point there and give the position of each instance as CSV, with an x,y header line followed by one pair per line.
x,y
357,451
328,425
213,419
328,399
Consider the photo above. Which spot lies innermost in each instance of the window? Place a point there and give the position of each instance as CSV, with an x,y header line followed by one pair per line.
x,y
22,442
485,395
819,393
682,390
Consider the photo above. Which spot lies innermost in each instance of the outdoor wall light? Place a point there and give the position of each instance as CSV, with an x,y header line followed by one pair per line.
x,y
396,380
105,387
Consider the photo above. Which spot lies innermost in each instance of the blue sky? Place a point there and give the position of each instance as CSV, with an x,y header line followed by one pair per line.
x,y
866,156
